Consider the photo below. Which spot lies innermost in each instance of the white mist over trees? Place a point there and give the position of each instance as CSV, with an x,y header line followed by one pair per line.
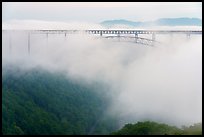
x,y
160,83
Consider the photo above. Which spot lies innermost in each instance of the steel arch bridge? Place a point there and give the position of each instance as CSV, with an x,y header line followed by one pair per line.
x,y
119,34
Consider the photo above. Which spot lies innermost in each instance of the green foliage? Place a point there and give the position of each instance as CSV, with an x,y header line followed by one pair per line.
x,y
195,129
153,128
39,102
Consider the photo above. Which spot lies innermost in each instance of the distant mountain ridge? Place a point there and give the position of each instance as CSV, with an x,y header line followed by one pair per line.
x,y
158,22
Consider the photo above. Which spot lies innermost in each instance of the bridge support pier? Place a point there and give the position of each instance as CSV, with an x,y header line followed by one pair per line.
x,y
171,37
188,36
153,36
101,33
136,37
65,36
118,36
47,39
10,43
28,43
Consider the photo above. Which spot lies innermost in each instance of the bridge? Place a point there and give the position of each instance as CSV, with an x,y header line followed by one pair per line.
x,y
120,33
126,34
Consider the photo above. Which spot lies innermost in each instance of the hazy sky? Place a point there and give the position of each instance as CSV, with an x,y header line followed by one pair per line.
x,y
98,11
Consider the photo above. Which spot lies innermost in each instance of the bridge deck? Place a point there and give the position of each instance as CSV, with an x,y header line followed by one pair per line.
x,y
115,31
144,31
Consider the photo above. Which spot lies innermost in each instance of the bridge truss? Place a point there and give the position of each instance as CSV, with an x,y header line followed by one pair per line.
x,y
112,34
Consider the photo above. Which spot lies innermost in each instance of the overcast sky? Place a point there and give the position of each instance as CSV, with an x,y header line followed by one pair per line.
x,y
96,12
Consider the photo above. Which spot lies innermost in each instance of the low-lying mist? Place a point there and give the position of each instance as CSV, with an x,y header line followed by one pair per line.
x,y
160,83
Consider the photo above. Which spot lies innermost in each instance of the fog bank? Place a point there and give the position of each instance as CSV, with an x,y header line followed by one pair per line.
x,y
160,83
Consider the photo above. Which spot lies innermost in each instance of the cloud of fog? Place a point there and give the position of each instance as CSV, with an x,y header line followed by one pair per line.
x,y
74,25
161,83
46,25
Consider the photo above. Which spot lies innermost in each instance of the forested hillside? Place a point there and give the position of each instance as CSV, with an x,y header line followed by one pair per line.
x,y
40,102
153,128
